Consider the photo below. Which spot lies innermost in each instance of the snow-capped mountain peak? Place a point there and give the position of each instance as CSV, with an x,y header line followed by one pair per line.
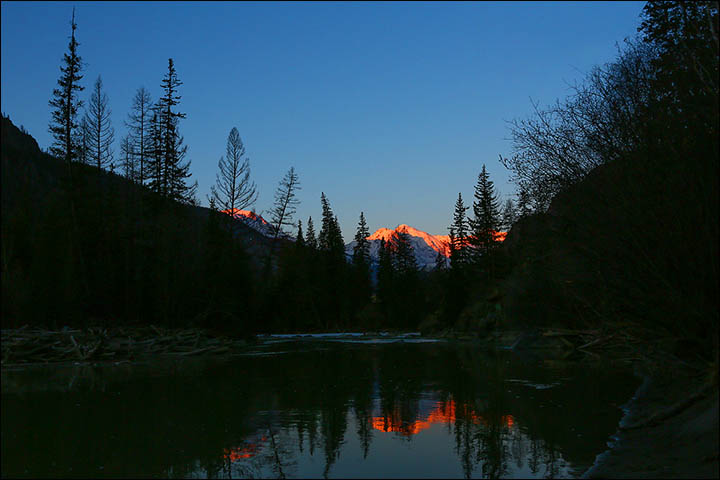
x,y
253,220
425,245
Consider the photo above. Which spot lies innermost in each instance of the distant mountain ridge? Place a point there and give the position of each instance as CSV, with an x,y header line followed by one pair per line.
x,y
425,245
253,220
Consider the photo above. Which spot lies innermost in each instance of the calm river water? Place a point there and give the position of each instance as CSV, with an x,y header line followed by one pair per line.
x,y
382,407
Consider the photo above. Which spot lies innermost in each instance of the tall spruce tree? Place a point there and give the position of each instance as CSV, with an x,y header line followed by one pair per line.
x,y
311,240
299,238
361,265
233,189
66,102
175,170
361,250
486,221
459,236
100,133
138,125
155,160
330,238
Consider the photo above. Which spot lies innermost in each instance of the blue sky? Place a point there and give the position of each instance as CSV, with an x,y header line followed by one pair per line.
x,y
389,108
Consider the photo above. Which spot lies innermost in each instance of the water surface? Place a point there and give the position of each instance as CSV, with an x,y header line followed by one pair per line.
x,y
364,407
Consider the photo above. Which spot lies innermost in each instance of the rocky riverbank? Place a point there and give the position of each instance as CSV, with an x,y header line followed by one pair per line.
x,y
28,346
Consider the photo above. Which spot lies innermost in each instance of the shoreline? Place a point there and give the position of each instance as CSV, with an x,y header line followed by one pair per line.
x,y
669,430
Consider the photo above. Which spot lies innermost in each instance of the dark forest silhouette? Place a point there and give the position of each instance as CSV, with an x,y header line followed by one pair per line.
x,y
615,222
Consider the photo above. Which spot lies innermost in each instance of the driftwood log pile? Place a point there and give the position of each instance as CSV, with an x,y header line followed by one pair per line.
x,y
30,346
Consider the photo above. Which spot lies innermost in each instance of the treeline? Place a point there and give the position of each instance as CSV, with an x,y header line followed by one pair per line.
x,y
614,222
119,239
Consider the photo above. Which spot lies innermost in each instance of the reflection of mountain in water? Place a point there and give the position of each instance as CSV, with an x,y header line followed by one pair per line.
x,y
440,413
320,408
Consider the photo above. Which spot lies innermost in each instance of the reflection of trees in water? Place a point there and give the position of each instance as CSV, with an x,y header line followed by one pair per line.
x,y
388,390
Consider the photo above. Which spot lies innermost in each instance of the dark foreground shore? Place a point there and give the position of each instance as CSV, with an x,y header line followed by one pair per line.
x,y
670,430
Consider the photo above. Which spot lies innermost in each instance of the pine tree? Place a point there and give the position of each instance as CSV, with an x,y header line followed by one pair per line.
x,y
299,238
156,155
458,236
128,158
311,240
175,169
361,250
330,239
100,133
138,125
486,221
362,287
286,203
65,102
233,189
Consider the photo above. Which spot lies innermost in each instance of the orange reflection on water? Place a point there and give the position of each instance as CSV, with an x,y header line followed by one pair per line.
x,y
249,450
445,412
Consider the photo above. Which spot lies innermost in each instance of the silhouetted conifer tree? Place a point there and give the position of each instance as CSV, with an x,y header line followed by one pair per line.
x,y
65,102
284,208
286,203
299,238
138,125
361,251
128,158
330,239
233,189
156,154
100,133
175,169
361,263
458,236
486,221
311,240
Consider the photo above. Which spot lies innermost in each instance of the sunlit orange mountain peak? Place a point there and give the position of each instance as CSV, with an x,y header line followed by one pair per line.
x,y
425,245
436,242
253,220
245,214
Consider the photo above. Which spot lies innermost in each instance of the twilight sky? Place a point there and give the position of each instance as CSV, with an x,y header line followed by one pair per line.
x,y
389,108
